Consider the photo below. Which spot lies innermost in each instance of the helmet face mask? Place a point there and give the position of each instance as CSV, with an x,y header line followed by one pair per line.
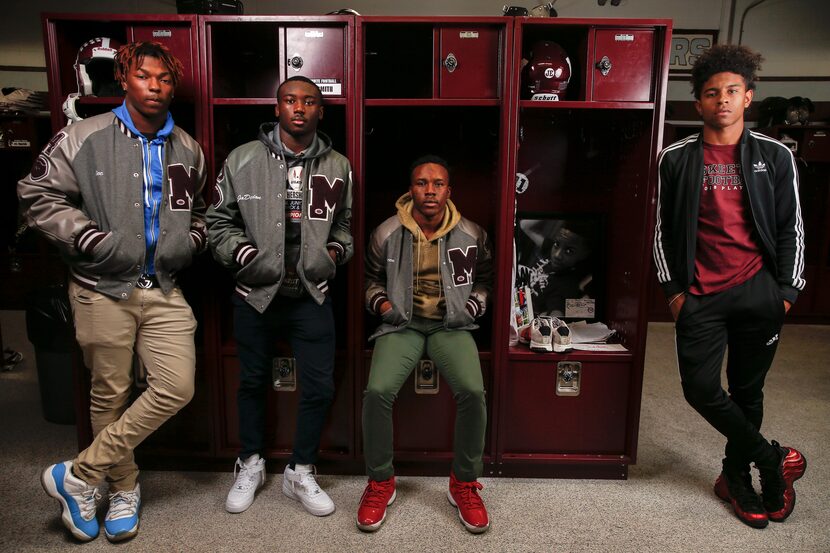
x,y
94,73
548,72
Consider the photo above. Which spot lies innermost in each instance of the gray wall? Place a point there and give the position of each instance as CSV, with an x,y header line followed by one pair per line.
x,y
793,35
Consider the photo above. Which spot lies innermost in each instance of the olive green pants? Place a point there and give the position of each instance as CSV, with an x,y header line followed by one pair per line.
x,y
455,355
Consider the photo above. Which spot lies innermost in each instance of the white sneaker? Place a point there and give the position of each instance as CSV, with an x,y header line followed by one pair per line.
x,y
249,479
541,334
121,522
300,484
561,335
550,334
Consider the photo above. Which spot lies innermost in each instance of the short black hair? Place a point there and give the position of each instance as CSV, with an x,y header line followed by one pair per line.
x,y
725,58
301,79
428,158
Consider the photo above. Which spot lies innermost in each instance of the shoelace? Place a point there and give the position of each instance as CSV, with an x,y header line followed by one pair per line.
x,y
772,478
89,505
376,494
740,488
308,482
247,476
122,505
772,483
467,492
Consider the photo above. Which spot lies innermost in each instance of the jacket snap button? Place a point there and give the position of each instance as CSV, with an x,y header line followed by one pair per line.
x,y
135,175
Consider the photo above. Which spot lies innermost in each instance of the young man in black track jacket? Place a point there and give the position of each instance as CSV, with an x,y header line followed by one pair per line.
x,y
729,251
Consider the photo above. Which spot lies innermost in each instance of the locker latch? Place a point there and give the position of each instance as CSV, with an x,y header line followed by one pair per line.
x,y
568,377
426,377
604,65
296,62
451,63
284,374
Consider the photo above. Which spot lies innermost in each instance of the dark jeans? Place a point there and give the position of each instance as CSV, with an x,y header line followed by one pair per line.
x,y
747,318
310,330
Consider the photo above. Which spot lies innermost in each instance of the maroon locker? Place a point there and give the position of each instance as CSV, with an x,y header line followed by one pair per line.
x,y
623,65
816,146
470,62
317,53
179,39
544,422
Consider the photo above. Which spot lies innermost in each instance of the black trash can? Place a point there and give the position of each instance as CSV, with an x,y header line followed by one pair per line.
x,y
50,329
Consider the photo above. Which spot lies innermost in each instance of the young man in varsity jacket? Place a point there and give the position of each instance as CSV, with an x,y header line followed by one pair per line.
x,y
729,250
280,220
428,277
120,195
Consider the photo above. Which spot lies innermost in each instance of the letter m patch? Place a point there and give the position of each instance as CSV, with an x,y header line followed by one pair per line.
x,y
323,196
463,264
182,186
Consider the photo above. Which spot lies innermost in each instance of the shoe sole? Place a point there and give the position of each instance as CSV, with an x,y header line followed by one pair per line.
x,y
558,348
123,536
48,483
314,511
374,527
467,525
536,346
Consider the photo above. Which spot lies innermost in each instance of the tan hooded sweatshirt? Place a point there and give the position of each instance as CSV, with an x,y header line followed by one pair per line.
x,y
427,296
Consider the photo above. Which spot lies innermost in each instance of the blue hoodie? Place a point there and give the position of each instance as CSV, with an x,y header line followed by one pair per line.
x,y
152,155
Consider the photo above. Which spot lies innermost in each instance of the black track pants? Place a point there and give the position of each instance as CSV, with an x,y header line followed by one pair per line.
x,y
747,318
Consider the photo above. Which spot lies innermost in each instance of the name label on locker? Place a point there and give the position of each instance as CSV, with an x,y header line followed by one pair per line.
x,y
314,34
329,87
162,33
468,34
624,37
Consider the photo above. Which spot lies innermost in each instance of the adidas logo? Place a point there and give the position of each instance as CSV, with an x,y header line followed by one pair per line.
x,y
772,340
759,167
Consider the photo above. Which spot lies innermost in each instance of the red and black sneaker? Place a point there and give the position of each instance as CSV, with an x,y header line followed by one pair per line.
x,y
736,488
471,509
777,482
376,497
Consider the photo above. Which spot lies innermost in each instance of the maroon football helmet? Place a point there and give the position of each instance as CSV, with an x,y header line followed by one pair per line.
x,y
95,68
548,72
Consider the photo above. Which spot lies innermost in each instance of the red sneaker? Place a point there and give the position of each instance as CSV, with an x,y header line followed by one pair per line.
x,y
376,497
471,509
736,488
777,482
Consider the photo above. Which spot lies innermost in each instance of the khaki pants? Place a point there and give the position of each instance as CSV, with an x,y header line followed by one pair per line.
x,y
160,329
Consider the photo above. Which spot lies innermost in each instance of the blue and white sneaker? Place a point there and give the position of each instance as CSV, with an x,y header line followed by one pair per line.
x,y
78,499
121,522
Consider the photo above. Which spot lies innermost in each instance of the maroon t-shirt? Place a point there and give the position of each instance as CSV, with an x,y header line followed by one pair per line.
x,y
727,252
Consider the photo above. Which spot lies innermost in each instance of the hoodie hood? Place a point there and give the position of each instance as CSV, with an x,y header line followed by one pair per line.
x,y
124,115
269,134
404,206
